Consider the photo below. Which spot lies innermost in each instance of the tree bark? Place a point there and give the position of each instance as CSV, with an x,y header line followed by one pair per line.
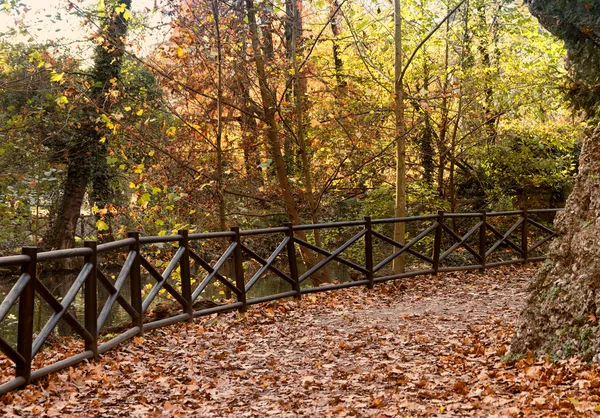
x,y
219,127
337,58
560,315
400,131
269,107
562,310
87,156
62,233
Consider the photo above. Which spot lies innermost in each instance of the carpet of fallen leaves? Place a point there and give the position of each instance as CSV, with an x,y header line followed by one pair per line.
x,y
429,346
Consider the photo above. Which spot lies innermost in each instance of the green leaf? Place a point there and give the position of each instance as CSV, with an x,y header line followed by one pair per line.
x,y
145,198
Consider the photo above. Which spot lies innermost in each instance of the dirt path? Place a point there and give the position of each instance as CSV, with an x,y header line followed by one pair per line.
x,y
429,347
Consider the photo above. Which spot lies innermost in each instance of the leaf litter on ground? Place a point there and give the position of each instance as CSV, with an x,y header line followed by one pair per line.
x,y
427,346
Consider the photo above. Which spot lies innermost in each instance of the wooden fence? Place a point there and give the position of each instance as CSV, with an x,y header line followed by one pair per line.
x,y
506,233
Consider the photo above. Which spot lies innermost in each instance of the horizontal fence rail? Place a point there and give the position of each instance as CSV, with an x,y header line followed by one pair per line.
x,y
483,240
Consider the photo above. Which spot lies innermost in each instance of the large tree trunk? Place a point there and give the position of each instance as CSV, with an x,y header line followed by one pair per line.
x,y
62,233
87,156
562,310
563,307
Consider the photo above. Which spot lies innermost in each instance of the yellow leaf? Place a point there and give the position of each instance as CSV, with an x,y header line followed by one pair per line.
x,y
151,153
56,77
101,225
442,409
140,112
171,131
127,108
180,51
62,100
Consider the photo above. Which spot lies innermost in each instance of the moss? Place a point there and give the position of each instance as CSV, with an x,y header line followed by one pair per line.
x,y
511,357
586,334
554,292
568,348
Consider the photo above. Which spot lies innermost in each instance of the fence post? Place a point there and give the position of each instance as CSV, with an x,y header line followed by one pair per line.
x,y
239,268
26,313
524,235
91,298
293,263
184,273
437,242
135,281
482,240
369,252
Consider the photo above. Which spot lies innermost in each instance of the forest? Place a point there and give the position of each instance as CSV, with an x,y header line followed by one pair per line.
x,y
337,208
210,114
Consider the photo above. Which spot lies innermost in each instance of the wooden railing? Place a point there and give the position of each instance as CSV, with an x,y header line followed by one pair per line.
x,y
496,234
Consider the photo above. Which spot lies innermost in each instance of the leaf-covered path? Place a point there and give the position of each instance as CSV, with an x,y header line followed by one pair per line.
x,y
431,346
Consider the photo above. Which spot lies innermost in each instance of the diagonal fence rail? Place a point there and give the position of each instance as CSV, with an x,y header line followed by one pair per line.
x,y
486,240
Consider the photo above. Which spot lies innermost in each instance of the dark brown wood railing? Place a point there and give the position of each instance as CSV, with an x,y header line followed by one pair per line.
x,y
496,234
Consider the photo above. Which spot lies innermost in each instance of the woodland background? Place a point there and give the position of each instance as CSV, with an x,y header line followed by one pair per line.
x,y
204,114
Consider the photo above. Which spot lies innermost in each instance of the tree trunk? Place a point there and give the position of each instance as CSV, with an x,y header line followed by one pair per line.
x,y
442,146
62,233
337,59
400,131
248,122
273,140
299,83
219,128
562,310
107,67
427,134
87,156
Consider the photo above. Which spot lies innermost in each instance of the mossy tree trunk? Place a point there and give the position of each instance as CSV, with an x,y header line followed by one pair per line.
x,y
87,152
563,308
562,312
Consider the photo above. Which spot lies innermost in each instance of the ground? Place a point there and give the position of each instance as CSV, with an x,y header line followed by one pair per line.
x,y
428,346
